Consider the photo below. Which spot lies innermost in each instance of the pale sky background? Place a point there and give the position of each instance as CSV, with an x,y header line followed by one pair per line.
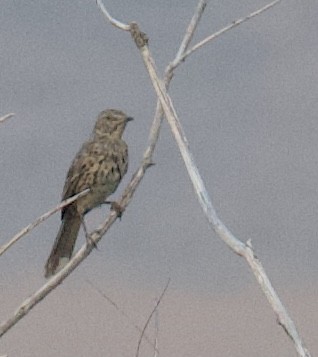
x,y
248,103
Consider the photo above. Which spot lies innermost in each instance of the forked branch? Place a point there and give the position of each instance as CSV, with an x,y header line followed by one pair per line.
x,y
239,247
165,105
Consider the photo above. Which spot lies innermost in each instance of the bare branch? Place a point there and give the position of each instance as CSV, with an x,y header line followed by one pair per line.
x,y
113,21
218,226
82,253
5,117
156,125
191,28
150,316
227,28
39,220
182,54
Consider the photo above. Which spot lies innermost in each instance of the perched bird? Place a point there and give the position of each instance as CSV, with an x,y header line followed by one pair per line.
x,y
99,165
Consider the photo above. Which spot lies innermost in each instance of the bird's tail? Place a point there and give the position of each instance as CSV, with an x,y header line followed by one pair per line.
x,y
64,243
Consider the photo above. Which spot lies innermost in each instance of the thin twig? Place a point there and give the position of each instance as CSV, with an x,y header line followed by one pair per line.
x,y
5,117
227,28
39,220
121,311
191,28
156,349
150,316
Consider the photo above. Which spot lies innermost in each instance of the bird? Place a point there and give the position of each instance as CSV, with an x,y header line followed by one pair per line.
x,y
99,166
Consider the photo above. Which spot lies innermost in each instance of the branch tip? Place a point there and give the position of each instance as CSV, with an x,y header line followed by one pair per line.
x,y
5,117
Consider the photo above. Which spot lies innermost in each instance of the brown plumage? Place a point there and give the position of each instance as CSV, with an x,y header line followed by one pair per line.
x,y
99,165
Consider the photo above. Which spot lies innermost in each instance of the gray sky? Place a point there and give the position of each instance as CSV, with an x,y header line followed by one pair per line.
x,y
248,103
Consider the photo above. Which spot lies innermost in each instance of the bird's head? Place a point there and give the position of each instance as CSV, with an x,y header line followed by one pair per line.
x,y
111,122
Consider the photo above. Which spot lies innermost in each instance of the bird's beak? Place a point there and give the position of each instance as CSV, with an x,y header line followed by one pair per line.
x,y
129,119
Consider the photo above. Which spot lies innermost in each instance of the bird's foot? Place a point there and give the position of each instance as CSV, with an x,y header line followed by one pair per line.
x,y
115,206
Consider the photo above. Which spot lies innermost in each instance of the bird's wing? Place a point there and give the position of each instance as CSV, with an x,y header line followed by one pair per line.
x,y
77,170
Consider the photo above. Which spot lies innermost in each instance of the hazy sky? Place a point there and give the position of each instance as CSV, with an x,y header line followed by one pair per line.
x,y
248,103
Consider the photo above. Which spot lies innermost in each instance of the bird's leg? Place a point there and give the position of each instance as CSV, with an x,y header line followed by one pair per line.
x,y
115,206
87,235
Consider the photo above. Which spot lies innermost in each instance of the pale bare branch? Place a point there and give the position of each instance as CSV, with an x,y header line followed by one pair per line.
x,y
112,20
5,117
227,28
191,28
156,125
223,232
39,220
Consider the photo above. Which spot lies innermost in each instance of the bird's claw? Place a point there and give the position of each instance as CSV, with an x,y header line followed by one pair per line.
x,y
115,206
